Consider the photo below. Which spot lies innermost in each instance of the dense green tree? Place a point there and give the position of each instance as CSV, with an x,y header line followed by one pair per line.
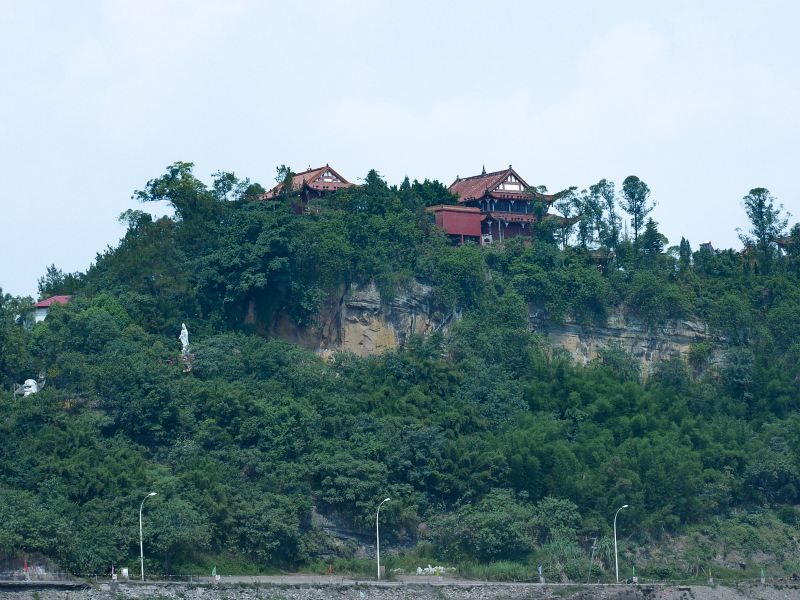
x,y
732,317
684,255
636,202
791,246
767,224
16,362
586,206
566,205
652,243
57,283
604,191
498,527
188,196
556,519
284,178
654,300
426,193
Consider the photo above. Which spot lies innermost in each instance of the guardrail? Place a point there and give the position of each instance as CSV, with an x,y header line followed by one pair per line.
x,y
32,575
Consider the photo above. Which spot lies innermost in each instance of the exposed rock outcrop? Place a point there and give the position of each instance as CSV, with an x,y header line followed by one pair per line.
x,y
358,320
649,344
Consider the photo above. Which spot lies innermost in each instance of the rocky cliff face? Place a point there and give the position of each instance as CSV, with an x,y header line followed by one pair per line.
x,y
649,344
356,319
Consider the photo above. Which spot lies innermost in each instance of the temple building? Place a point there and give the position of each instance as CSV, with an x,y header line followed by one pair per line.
x,y
312,184
43,306
493,207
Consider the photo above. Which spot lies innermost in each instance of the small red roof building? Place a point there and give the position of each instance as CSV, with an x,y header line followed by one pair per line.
x,y
43,306
52,299
310,185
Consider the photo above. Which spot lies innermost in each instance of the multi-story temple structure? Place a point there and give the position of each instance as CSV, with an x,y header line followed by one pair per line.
x,y
311,184
493,207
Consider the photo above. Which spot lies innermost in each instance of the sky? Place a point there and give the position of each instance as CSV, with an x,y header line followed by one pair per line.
x,y
700,99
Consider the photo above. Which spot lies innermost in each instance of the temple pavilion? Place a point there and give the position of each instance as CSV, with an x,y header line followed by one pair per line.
x,y
493,207
311,184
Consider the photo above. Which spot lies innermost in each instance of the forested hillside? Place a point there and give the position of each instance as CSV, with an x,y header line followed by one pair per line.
x,y
492,446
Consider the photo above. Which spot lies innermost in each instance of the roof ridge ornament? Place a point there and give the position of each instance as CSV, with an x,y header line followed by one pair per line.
x,y
484,169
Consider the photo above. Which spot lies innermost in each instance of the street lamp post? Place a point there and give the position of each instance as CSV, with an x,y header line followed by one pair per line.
x,y
141,542
616,562
378,536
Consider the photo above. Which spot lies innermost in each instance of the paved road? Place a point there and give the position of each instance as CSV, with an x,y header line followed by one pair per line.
x,y
400,581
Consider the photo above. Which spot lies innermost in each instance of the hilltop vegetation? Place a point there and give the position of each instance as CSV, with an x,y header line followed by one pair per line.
x,y
492,446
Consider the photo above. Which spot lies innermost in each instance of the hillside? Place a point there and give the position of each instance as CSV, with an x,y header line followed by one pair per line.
x,y
493,444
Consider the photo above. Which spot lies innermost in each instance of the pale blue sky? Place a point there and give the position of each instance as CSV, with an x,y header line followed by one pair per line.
x,y
699,99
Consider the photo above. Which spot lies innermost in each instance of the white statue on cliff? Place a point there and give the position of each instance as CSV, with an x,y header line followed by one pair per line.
x,y
29,387
184,339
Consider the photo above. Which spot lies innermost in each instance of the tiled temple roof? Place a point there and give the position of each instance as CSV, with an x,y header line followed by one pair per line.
x,y
485,184
311,178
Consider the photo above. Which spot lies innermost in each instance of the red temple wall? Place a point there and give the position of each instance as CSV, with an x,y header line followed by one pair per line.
x,y
459,223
